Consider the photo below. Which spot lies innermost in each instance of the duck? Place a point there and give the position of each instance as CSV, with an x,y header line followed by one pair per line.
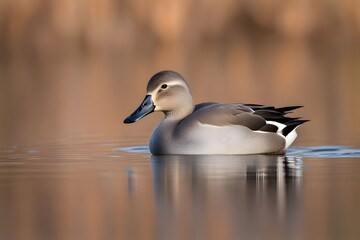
x,y
211,128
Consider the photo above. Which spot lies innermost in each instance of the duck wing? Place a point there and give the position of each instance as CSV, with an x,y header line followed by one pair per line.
x,y
217,114
253,116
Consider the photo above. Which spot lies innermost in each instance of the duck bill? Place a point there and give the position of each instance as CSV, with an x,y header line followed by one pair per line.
x,y
145,108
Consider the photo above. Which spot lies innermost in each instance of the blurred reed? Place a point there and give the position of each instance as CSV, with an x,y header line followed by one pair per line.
x,y
43,26
74,66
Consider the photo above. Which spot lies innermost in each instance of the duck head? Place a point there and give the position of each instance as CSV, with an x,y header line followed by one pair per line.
x,y
168,92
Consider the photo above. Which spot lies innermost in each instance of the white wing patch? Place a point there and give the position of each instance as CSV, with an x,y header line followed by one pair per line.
x,y
290,138
279,125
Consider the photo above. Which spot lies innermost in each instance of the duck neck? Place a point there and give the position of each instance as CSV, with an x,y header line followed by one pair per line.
x,y
179,113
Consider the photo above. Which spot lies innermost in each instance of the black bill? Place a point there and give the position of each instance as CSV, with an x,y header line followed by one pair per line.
x,y
145,108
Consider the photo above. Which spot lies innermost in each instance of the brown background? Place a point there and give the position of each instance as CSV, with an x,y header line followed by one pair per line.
x,y
74,67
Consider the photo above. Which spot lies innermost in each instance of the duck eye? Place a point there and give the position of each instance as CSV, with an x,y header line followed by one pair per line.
x,y
164,86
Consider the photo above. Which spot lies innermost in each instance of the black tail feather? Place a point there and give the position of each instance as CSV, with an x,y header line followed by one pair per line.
x,y
283,110
273,115
292,125
289,108
270,113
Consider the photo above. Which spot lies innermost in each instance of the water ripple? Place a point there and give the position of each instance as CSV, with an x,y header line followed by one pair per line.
x,y
310,152
134,149
324,152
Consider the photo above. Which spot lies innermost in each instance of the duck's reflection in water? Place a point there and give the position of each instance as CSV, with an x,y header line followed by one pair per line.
x,y
217,197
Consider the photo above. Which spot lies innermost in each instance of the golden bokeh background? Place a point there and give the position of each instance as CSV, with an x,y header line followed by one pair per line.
x,y
75,67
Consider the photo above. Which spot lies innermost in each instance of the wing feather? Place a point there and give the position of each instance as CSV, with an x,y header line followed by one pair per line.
x,y
226,114
253,116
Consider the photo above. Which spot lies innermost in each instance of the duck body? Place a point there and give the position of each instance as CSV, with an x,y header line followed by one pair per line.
x,y
212,128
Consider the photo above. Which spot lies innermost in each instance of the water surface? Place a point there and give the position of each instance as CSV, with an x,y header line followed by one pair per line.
x,y
106,189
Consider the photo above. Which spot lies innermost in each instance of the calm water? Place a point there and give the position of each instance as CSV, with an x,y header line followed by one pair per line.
x,y
94,188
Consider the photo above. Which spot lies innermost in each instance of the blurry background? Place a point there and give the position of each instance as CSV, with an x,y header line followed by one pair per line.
x,y
75,67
